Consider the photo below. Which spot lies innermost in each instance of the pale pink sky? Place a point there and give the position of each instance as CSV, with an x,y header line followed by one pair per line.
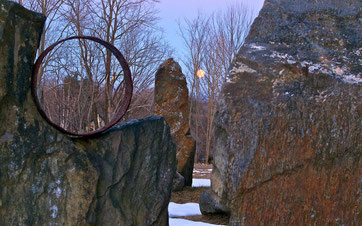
x,y
173,10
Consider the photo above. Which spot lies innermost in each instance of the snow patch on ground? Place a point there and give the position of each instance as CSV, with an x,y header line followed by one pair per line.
x,y
182,210
201,183
203,171
183,222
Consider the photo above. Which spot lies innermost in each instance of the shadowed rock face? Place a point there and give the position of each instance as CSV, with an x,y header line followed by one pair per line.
x,y
135,171
171,102
288,124
123,177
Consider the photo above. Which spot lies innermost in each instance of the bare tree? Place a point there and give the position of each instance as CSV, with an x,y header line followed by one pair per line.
x,y
195,35
231,28
89,69
54,26
130,26
211,42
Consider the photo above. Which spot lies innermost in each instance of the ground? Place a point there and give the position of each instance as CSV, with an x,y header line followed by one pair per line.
x,y
192,195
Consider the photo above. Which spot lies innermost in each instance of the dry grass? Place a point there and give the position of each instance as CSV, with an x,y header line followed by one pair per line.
x,y
202,166
203,171
188,194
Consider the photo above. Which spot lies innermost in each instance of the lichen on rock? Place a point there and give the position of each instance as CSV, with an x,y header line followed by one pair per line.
x,y
287,138
171,102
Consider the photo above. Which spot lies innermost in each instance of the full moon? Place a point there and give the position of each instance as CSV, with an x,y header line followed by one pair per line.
x,y
200,73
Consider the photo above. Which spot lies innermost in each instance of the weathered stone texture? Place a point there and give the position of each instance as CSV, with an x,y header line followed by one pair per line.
x,y
178,182
123,177
288,125
208,205
137,163
171,101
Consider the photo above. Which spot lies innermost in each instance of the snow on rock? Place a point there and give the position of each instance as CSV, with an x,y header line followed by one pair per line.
x,y
256,47
352,78
282,57
316,62
240,68
182,210
183,222
201,182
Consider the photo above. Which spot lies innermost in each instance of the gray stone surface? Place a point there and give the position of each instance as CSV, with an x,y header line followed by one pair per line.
x,y
288,124
136,163
178,182
210,204
123,177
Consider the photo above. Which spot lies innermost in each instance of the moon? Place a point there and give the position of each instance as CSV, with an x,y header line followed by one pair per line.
x,y
200,73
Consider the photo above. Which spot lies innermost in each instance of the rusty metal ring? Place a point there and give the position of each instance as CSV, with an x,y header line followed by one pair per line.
x,y
127,78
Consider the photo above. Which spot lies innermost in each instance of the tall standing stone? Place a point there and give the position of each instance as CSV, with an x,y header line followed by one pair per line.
x,y
171,102
123,177
288,125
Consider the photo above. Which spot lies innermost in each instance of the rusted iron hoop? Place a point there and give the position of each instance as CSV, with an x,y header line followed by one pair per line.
x,y
127,78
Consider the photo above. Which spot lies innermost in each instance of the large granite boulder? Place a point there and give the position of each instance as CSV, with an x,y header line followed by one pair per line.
x,y
171,102
123,177
288,123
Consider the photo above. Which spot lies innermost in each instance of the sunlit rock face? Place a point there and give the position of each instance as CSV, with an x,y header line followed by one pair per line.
x,y
123,177
288,124
171,102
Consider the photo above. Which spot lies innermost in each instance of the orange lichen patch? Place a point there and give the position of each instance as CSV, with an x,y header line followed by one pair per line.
x,y
294,155
293,179
306,196
299,194
171,102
